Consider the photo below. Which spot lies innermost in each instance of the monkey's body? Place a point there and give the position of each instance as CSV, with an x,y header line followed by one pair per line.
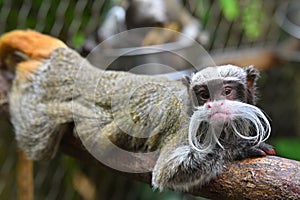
x,y
68,87
137,113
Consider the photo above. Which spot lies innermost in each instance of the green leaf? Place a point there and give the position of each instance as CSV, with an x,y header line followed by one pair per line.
x,y
230,8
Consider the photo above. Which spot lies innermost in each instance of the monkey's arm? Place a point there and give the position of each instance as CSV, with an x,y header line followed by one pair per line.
x,y
181,167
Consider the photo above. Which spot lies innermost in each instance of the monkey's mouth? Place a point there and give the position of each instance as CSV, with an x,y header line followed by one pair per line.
x,y
219,116
208,126
7,75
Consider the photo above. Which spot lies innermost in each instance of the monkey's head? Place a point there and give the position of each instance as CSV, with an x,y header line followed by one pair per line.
x,y
223,99
23,51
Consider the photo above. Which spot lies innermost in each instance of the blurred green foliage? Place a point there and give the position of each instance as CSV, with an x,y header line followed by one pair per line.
x,y
251,13
78,40
288,147
230,9
252,19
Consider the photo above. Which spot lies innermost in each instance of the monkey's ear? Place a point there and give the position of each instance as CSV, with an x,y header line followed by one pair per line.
x,y
252,75
186,80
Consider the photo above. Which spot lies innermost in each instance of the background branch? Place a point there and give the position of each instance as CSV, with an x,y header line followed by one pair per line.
x,y
270,177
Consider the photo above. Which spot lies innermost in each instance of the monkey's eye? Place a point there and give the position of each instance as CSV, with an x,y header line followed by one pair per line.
x,y
12,60
227,91
204,94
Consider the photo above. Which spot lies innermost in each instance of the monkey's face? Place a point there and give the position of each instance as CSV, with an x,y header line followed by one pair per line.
x,y
215,88
212,96
222,98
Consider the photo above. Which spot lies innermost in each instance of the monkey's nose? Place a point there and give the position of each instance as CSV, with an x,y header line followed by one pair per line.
x,y
209,105
214,104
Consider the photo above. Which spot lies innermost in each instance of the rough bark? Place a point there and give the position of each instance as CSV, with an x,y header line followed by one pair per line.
x,y
270,177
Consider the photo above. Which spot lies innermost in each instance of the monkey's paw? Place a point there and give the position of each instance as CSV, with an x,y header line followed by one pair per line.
x,y
262,149
161,177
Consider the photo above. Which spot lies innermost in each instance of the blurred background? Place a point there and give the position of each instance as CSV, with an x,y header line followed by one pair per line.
x,y
265,33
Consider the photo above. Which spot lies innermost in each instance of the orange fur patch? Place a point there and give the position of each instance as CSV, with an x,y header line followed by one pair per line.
x,y
32,43
26,68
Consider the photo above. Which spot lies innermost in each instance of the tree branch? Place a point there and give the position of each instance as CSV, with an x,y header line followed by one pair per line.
x,y
270,177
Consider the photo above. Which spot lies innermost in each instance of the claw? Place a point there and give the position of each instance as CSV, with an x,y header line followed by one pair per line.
x,y
271,152
268,149
256,151
261,150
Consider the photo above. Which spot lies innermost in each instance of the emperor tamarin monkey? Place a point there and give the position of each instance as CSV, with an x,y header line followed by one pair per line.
x,y
197,126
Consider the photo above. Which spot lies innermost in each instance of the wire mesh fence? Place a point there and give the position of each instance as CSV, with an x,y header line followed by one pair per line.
x,y
73,21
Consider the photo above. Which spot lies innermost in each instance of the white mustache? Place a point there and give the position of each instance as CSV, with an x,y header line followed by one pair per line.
x,y
245,121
